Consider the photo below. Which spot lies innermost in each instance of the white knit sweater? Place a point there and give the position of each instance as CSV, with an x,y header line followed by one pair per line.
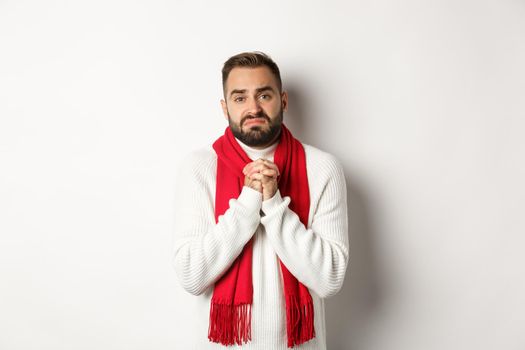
x,y
316,255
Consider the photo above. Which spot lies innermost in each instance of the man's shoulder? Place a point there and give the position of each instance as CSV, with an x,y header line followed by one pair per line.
x,y
200,159
318,159
324,170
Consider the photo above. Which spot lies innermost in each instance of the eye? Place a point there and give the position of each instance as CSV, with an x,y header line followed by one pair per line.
x,y
265,97
238,99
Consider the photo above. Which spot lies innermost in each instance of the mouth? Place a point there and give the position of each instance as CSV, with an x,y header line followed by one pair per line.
x,y
254,121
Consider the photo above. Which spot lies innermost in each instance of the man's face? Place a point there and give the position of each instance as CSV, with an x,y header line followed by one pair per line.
x,y
254,106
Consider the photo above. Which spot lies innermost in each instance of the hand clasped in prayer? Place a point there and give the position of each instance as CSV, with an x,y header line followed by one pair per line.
x,y
262,175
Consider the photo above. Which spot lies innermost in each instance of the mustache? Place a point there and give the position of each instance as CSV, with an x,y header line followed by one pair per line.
x,y
255,116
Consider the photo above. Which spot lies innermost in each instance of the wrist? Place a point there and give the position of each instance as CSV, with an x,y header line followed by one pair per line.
x,y
271,203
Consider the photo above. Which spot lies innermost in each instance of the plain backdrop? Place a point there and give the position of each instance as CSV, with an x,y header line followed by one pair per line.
x,y
422,102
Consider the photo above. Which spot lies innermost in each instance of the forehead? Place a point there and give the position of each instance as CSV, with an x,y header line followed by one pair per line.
x,y
249,78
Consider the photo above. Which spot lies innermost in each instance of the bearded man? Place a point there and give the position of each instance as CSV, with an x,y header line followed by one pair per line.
x,y
261,222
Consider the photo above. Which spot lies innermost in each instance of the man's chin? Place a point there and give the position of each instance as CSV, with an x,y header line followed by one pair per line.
x,y
255,129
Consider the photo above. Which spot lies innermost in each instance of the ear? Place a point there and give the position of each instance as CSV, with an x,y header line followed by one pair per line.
x,y
224,109
284,100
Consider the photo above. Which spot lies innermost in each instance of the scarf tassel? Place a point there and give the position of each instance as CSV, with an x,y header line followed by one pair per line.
x,y
230,324
300,320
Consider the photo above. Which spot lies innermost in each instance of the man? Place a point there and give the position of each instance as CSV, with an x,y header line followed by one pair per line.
x,y
261,228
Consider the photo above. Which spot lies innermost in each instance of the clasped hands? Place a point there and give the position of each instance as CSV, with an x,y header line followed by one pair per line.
x,y
262,175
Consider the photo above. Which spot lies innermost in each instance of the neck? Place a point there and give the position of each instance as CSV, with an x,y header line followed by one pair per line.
x,y
255,153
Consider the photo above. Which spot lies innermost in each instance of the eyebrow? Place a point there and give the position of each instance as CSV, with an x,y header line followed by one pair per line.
x,y
265,88
258,90
237,91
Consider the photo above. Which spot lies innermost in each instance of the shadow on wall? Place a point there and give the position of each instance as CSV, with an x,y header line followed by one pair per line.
x,y
295,118
349,312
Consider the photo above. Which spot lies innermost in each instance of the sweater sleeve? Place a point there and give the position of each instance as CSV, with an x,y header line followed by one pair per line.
x,y
204,249
318,255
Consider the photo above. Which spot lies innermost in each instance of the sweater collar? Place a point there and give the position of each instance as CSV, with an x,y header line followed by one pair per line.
x,y
254,154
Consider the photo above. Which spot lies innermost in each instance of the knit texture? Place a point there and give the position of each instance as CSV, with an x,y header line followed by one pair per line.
x,y
316,254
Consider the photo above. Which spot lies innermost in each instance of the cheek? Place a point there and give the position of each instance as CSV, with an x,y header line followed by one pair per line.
x,y
273,109
235,114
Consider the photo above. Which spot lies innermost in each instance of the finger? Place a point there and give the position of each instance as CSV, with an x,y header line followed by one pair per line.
x,y
257,185
258,162
256,168
247,168
251,182
263,165
271,165
256,176
270,172
262,178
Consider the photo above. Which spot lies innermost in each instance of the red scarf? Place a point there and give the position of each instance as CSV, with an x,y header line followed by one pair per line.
x,y
230,310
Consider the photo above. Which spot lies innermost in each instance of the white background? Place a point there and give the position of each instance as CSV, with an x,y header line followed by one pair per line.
x,y
422,101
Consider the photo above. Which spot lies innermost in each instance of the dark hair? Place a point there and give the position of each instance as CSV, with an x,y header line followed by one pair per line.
x,y
250,59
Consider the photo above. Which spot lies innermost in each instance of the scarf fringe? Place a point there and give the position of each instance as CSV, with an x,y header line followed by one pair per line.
x,y
230,324
300,320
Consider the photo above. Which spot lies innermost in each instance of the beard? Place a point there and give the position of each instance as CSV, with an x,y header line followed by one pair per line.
x,y
257,135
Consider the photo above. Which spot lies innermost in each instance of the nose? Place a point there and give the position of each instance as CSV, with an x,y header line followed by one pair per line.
x,y
253,106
